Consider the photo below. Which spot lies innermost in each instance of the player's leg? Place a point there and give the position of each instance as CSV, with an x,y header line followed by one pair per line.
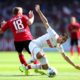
x,y
44,64
23,63
26,45
78,46
19,48
72,47
37,53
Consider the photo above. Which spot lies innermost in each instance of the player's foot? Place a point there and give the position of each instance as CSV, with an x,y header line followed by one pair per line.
x,y
22,68
40,72
52,72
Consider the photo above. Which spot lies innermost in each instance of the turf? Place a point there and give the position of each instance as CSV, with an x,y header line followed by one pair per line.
x,y
9,64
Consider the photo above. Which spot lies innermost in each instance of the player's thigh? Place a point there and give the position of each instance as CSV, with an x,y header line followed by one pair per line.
x,y
72,42
18,46
26,46
34,49
76,42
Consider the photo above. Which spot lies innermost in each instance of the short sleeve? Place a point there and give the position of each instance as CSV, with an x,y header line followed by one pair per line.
x,y
52,32
49,29
26,17
60,49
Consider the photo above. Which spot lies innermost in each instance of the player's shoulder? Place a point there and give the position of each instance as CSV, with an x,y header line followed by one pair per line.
x,y
77,23
25,16
69,24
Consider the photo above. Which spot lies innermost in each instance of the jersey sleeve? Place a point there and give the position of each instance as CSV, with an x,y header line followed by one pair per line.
x,y
49,29
52,32
5,26
26,18
60,49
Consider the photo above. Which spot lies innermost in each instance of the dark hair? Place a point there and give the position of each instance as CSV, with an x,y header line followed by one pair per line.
x,y
16,10
65,35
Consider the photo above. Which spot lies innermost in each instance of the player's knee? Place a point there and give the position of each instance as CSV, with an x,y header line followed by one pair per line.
x,y
45,67
39,55
19,53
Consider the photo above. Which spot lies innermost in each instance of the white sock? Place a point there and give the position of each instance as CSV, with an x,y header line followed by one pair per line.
x,y
35,66
43,60
30,61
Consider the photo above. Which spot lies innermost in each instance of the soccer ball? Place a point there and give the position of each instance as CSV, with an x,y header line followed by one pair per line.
x,y
52,72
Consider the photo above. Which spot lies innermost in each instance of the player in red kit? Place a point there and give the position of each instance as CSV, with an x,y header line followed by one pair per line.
x,y
74,29
19,25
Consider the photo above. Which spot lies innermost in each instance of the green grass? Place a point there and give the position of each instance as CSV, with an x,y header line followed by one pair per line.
x,y
9,64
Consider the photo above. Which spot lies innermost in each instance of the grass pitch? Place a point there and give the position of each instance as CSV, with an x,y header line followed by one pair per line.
x,y
9,67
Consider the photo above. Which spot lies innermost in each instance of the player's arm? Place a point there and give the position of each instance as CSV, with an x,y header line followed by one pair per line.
x,y
43,18
31,18
2,24
1,31
70,61
61,50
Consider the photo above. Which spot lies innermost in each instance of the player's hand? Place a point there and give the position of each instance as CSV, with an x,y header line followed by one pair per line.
x,y
3,22
77,67
31,14
37,7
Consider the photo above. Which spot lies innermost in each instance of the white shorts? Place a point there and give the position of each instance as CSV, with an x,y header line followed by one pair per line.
x,y
34,49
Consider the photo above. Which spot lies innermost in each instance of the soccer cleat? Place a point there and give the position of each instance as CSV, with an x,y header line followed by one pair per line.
x,y
22,68
26,72
40,72
52,72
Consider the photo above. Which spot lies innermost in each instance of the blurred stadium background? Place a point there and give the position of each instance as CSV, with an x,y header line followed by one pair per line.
x,y
57,12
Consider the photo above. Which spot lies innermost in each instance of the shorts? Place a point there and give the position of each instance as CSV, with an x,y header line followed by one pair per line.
x,y
19,46
34,49
74,42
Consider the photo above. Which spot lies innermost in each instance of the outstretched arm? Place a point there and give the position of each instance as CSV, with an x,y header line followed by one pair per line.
x,y
69,61
43,18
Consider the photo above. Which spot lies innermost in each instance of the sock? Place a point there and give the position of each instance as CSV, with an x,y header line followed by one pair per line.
x,y
36,62
78,48
22,59
34,66
72,51
43,60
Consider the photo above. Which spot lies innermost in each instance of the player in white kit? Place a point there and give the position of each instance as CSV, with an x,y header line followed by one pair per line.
x,y
50,39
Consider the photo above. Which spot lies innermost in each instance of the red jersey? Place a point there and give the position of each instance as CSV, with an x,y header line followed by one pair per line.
x,y
18,25
73,30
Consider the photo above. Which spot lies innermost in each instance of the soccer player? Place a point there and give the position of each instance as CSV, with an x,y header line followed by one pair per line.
x,y
74,32
19,25
50,39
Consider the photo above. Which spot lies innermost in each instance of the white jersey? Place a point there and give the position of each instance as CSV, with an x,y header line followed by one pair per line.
x,y
49,40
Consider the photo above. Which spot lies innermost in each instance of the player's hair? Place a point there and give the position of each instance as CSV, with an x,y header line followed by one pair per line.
x,y
16,10
65,35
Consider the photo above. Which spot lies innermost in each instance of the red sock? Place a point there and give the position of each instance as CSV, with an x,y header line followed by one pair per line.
x,y
36,62
78,50
29,67
72,51
22,59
